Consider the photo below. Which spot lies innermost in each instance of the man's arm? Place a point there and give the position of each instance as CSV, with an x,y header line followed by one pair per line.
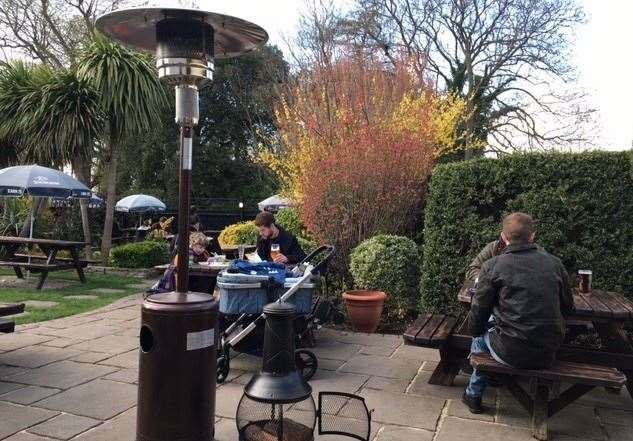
x,y
566,296
472,271
295,252
262,252
483,301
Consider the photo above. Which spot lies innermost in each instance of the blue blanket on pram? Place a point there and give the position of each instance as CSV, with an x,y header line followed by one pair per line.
x,y
276,271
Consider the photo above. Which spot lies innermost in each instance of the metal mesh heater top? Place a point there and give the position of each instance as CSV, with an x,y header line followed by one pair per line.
x,y
185,41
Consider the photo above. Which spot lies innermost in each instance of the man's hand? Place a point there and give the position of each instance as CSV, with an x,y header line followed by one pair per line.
x,y
280,258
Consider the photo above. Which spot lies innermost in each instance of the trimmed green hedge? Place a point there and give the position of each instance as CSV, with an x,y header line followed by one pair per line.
x,y
391,264
146,254
582,204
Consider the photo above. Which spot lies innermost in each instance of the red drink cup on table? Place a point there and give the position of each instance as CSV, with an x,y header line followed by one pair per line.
x,y
584,280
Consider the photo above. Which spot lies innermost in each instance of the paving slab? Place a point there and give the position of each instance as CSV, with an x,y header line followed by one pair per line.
x,y
106,399
227,398
28,395
359,338
395,433
17,340
618,433
107,290
129,376
456,429
64,426
576,421
40,304
417,353
36,356
109,344
25,436
90,357
397,385
120,428
61,342
84,331
384,351
81,297
616,416
335,350
8,387
381,366
402,410
225,430
16,418
61,375
599,397
128,360
329,365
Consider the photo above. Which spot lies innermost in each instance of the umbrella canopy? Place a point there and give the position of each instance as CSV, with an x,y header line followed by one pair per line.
x,y
139,203
34,180
95,202
273,203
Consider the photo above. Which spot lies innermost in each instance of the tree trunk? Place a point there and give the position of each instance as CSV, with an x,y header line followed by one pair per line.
x,y
35,209
82,170
106,238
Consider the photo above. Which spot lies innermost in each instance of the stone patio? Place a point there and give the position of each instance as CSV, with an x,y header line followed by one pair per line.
x,y
75,379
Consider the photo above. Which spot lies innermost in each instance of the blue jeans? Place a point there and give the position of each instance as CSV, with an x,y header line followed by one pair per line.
x,y
478,382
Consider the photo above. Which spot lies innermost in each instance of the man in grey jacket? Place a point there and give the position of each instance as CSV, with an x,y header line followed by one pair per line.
x,y
527,292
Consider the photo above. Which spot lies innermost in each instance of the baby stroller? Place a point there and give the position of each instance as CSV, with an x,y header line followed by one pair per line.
x,y
242,299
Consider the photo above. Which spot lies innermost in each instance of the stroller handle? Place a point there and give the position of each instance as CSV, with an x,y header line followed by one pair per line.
x,y
324,254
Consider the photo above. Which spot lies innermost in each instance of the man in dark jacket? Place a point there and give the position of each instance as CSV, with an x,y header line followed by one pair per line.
x,y
517,310
289,249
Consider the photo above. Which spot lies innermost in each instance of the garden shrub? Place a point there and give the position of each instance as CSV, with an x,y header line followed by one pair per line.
x,y
144,254
289,220
582,204
239,233
391,264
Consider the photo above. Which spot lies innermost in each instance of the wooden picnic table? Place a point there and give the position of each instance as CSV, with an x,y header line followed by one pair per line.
x,y
202,278
42,264
609,313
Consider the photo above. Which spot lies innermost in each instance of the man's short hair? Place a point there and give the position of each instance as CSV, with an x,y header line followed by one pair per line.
x,y
264,219
518,227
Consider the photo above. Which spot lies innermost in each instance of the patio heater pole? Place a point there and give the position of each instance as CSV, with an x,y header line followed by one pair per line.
x,y
179,330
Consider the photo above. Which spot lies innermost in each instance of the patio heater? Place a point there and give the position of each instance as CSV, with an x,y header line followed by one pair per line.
x,y
178,337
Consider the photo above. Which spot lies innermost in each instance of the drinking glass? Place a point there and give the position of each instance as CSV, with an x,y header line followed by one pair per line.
x,y
585,277
241,248
274,250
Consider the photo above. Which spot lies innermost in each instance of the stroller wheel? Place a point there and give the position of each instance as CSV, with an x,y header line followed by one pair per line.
x,y
222,369
306,362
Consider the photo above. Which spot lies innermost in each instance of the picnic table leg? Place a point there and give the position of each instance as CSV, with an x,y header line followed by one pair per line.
x,y
614,338
451,361
80,271
18,272
11,249
52,253
540,411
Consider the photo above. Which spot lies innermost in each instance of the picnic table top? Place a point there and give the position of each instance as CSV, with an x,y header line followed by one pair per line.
x,y
597,303
196,268
36,241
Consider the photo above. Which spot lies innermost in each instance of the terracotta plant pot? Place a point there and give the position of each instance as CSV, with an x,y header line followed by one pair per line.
x,y
364,309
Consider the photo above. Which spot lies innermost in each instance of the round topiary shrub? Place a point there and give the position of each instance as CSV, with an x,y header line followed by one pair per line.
x,y
241,233
146,254
391,264
289,220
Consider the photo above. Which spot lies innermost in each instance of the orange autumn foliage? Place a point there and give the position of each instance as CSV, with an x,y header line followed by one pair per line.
x,y
359,141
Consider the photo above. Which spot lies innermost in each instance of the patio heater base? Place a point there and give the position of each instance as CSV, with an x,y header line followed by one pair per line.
x,y
176,393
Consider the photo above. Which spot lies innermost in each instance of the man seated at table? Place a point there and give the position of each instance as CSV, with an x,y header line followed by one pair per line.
x,y
269,233
526,290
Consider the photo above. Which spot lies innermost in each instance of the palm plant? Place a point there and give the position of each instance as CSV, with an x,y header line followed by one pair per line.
x,y
132,99
51,117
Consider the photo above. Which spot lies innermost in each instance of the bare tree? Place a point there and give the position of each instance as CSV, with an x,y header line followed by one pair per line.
x,y
501,56
49,31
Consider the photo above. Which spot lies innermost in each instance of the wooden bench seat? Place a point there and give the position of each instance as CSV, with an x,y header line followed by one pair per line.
x,y
6,326
84,262
430,330
546,399
36,266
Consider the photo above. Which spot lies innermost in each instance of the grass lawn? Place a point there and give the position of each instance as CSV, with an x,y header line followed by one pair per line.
x,y
66,306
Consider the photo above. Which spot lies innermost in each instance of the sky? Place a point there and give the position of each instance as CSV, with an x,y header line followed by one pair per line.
x,y
601,50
